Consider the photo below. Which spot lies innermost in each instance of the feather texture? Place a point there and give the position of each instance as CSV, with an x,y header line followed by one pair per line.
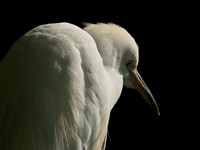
x,y
58,84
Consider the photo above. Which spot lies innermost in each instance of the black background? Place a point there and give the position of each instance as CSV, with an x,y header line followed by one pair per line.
x,y
133,124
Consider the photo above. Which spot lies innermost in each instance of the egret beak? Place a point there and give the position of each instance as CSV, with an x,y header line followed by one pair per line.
x,y
140,85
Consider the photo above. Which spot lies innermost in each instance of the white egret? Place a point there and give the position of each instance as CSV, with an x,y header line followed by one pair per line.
x,y
58,84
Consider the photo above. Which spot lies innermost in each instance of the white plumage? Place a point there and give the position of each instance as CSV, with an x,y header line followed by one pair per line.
x,y
58,84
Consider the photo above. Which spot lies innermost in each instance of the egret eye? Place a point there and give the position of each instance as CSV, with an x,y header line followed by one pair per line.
x,y
129,63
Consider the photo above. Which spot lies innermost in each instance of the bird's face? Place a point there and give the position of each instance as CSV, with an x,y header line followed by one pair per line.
x,y
119,50
132,79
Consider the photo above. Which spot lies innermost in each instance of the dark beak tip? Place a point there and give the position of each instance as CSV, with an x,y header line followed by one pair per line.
x,y
158,112
156,108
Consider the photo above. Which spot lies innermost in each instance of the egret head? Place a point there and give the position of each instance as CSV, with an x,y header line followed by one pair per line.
x,y
119,50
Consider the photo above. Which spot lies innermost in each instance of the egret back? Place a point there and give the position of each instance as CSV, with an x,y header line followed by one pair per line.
x,y
53,91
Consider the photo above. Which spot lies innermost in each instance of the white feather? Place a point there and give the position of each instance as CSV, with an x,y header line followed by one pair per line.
x,y
58,84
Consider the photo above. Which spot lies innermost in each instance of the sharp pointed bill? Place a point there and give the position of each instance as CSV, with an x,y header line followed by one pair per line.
x,y
142,88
